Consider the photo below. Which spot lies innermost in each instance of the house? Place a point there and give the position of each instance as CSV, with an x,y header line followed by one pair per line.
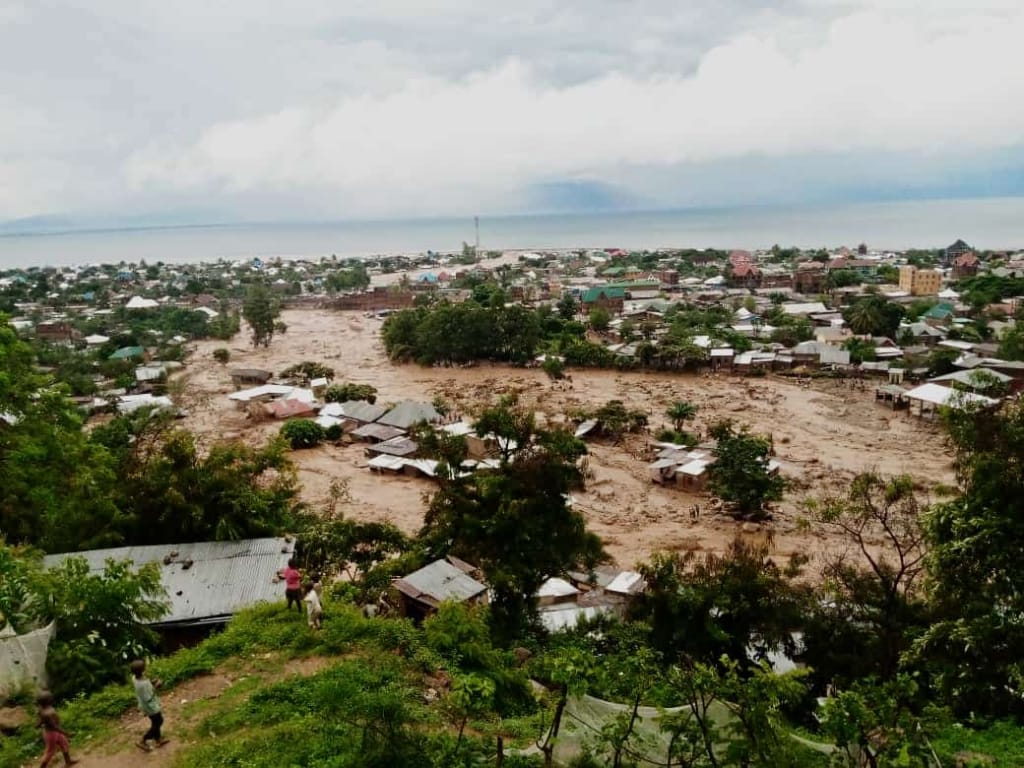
x,y
928,398
797,309
922,333
408,413
977,380
96,339
957,249
137,302
206,582
809,277
608,297
399,445
376,433
965,265
421,593
128,353
940,314
249,377
287,408
358,411
57,332
744,275
920,282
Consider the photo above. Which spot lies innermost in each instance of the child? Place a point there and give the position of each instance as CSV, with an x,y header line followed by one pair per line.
x,y
314,609
292,586
149,703
54,737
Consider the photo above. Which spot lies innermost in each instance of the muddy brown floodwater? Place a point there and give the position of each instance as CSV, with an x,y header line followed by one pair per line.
x,y
823,435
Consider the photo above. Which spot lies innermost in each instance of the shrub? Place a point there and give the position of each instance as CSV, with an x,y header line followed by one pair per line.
x,y
308,371
333,433
341,393
553,367
222,355
303,433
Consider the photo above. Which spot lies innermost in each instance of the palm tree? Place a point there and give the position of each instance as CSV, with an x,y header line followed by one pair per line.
x,y
865,317
681,412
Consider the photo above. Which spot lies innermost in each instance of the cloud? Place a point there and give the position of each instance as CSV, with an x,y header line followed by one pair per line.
x,y
877,81
390,107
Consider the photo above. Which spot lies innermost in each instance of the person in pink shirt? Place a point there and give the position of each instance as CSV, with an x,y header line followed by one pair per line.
x,y
292,585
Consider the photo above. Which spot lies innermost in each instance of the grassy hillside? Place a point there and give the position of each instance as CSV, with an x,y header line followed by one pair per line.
x,y
270,693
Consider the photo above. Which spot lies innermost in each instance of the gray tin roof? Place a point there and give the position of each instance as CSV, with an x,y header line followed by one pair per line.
x,y
225,576
433,584
407,413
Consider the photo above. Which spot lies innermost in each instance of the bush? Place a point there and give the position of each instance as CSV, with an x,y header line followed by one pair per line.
x,y
342,393
678,437
553,367
222,355
333,433
307,371
303,433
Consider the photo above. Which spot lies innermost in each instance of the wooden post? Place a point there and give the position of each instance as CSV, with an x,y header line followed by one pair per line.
x,y
500,759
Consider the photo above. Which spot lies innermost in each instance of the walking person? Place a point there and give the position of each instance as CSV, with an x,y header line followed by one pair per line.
x,y
149,705
54,737
292,585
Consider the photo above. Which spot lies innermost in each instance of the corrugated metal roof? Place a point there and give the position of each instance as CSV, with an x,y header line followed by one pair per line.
x,y
410,412
377,432
225,576
357,410
439,581
396,446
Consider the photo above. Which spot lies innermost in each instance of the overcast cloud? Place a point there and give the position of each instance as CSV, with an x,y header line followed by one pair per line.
x,y
252,109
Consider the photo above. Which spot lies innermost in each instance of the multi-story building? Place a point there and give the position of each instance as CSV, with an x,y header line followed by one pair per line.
x,y
920,282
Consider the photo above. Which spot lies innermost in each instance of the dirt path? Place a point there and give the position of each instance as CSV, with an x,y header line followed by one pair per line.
x,y
184,708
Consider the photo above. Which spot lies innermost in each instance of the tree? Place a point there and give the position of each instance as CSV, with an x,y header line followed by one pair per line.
x,y
974,649
516,522
222,355
568,306
741,475
56,485
169,490
874,316
1011,345
600,318
861,350
302,433
872,605
260,309
681,411
739,603
307,370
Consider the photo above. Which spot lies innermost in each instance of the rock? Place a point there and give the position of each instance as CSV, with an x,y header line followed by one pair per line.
x,y
12,718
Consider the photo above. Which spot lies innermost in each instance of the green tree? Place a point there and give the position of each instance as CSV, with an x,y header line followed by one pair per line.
x,y
873,604
260,310
874,316
302,433
861,350
600,318
681,411
56,486
741,475
568,306
975,650
1011,344
516,523
222,355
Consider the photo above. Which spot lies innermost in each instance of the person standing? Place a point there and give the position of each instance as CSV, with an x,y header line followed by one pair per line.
x,y
149,704
292,585
54,737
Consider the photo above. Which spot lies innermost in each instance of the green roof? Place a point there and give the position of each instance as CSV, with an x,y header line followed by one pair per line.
x,y
940,311
627,284
613,271
126,353
609,291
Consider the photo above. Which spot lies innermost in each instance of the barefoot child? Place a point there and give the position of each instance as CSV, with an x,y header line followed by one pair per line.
x,y
55,738
149,704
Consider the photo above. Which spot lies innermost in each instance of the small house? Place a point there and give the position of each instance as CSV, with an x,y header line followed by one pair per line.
x,y
249,377
421,593
408,413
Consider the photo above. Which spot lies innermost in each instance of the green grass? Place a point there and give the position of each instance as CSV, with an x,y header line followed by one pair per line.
x,y
1002,742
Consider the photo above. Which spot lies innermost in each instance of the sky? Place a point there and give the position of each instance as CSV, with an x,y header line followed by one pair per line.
x,y
249,110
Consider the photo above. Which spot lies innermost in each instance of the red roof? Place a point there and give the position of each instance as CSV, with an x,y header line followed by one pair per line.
x,y
966,260
742,270
287,409
739,257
